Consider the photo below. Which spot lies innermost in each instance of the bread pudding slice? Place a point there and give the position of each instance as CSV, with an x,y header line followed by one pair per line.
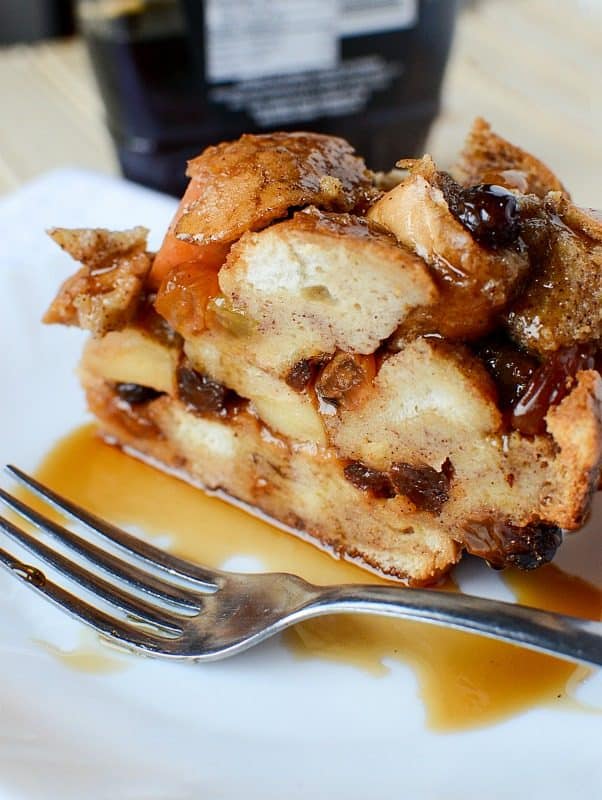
x,y
398,376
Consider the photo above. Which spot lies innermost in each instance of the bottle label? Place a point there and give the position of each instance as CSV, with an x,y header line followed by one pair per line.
x,y
282,61
359,17
255,38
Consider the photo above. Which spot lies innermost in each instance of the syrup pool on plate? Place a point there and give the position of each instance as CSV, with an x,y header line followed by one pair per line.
x,y
465,681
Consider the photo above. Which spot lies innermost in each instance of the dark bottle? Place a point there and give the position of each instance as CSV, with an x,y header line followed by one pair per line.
x,y
178,76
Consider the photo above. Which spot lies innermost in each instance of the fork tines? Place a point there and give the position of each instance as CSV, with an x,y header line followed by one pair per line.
x,y
173,604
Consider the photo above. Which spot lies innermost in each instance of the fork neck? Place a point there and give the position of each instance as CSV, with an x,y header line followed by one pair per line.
x,y
567,637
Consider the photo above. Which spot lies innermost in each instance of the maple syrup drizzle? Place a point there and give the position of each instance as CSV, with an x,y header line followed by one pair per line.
x,y
465,681
86,655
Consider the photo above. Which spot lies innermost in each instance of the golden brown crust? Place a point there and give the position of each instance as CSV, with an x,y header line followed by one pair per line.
x,y
586,221
105,293
562,304
488,158
576,425
257,179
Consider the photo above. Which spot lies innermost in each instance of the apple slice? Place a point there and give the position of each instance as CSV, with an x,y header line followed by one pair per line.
x,y
184,294
174,251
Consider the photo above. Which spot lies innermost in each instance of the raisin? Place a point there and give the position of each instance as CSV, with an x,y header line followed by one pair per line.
x,y
339,377
203,395
510,368
300,375
135,394
423,485
533,546
489,212
503,544
304,372
369,480
549,385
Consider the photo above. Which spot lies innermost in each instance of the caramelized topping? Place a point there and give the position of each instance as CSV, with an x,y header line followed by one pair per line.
x,y
246,184
549,385
203,395
423,485
489,212
486,152
561,304
369,480
461,235
505,545
105,293
134,394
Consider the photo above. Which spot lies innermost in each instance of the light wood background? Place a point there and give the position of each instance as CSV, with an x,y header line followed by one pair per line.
x,y
533,68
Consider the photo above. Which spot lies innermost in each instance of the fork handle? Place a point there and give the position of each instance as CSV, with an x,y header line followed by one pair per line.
x,y
567,637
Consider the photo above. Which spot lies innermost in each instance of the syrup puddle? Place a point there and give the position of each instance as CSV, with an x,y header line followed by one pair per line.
x,y
465,681
87,656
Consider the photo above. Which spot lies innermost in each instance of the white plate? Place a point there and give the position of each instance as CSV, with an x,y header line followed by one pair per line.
x,y
263,725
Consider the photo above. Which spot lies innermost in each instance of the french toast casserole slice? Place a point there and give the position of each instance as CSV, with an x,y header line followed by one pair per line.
x,y
399,368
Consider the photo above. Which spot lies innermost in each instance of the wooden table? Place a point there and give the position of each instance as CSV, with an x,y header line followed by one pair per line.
x,y
533,68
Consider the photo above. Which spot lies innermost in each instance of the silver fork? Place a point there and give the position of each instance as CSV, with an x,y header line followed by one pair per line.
x,y
206,614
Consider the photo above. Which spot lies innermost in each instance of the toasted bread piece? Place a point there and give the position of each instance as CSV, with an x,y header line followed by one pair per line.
x,y
488,158
251,182
332,277
468,275
562,304
244,185
325,365
104,294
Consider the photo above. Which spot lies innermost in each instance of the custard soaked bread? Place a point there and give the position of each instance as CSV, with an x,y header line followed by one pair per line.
x,y
396,375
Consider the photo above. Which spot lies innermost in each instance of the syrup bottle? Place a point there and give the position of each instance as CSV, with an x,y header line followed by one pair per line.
x,y
176,76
